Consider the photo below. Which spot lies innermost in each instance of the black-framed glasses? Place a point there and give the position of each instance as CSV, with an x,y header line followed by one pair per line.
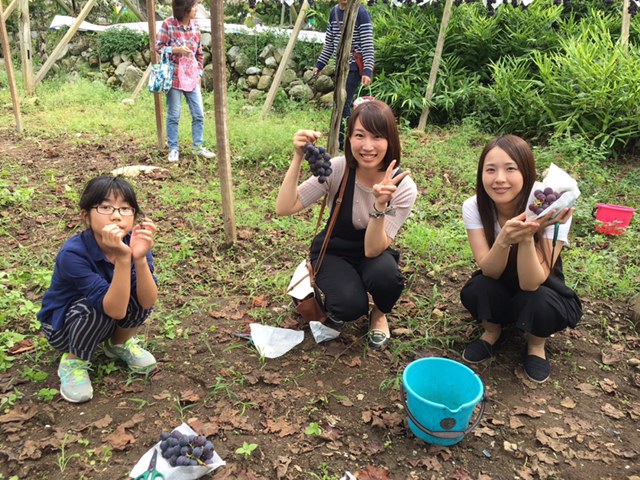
x,y
108,210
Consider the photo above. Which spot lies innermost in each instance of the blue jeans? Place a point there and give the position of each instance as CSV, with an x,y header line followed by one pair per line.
x,y
174,104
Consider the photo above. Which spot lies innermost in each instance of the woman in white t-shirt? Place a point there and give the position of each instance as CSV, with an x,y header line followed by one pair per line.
x,y
377,199
520,280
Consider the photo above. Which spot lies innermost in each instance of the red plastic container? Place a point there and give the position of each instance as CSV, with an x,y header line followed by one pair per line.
x,y
613,219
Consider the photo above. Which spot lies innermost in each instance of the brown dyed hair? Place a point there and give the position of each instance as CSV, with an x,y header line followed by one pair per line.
x,y
376,117
181,8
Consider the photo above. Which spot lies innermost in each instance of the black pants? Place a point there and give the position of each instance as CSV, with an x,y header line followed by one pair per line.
x,y
85,328
540,313
346,283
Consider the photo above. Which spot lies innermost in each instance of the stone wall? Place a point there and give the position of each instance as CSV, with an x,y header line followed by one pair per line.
x,y
248,72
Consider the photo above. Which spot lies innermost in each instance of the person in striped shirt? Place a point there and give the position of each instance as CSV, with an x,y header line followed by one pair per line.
x,y
361,48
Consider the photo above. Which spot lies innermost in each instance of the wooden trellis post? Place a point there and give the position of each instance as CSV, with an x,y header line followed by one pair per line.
x,y
435,66
63,43
26,58
342,70
157,101
6,52
626,22
275,84
223,146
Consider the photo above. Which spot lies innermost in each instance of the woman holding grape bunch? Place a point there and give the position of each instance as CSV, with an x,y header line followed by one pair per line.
x,y
377,199
520,280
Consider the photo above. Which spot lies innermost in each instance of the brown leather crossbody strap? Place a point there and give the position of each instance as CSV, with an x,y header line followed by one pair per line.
x,y
334,218
325,244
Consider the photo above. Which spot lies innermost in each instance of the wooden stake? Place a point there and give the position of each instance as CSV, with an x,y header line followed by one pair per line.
x,y
157,101
25,48
218,61
626,22
142,82
12,6
435,66
6,52
275,84
63,43
342,72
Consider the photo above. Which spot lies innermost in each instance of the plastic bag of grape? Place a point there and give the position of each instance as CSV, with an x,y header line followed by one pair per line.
x,y
557,191
176,473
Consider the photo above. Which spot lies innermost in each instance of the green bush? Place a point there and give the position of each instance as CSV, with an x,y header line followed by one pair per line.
x,y
121,41
592,87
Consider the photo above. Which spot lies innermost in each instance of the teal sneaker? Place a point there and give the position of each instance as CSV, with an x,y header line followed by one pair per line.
x,y
137,358
75,385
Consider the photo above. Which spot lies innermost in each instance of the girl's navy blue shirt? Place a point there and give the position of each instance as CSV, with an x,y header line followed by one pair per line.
x,y
81,271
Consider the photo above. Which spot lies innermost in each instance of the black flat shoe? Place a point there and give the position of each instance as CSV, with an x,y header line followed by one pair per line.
x,y
479,350
377,338
536,369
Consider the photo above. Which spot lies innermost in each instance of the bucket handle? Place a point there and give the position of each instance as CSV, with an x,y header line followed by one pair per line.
x,y
442,434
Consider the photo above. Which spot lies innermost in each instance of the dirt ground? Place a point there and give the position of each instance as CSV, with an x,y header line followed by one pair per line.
x,y
583,423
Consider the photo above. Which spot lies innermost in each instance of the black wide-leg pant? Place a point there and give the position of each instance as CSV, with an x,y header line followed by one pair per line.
x,y
346,284
540,313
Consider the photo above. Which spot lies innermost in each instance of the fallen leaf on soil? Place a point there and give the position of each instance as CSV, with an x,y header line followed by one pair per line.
x,y
372,473
400,332
21,347
555,410
162,395
260,302
392,419
279,426
529,412
612,355
587,389
367,416
207,429
245,234
430,463
282,465
608,386
189,397
634,411
515,422
353,362
103,422
611,411
120,438
30,450
330,433
459,474
19,414
568,402
547,441
272,378
496,422
478,432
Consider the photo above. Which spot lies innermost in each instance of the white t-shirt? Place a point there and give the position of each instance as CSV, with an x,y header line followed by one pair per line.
x,y
310,191
472,221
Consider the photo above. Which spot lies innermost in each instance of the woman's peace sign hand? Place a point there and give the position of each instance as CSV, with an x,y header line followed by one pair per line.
x,y
383,191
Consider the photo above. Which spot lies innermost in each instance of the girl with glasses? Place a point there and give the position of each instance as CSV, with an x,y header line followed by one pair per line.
x,y
103,288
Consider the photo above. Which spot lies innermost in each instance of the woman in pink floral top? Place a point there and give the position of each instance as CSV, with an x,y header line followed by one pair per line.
x,y
180,37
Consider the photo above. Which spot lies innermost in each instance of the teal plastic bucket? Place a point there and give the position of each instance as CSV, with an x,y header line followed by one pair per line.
x,y
439,396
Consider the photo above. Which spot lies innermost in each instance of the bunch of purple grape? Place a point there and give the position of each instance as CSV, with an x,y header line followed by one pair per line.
x,y
186,450
319,163
543,199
